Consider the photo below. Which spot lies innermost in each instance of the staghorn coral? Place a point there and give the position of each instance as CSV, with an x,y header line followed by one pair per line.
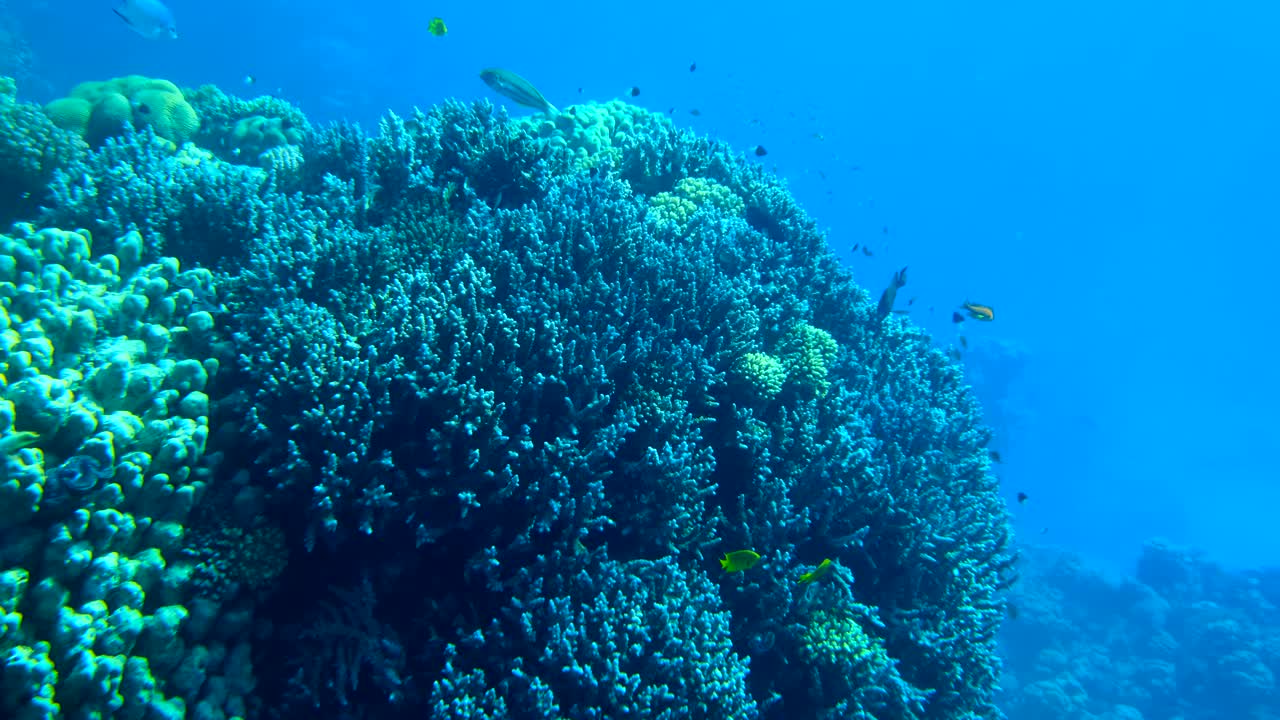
x,y
639,638
113,190
515,414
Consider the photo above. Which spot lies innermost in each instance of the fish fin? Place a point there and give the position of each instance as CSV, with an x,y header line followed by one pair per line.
x,y
122,15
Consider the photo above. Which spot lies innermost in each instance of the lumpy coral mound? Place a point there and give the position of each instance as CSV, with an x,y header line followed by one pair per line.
x,y
558,368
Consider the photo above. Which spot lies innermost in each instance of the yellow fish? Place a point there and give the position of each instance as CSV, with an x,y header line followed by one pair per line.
x,y
739,560
436,27
824,568
979,312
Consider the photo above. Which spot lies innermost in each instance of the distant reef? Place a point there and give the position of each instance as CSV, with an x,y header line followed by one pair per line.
x,y
455,420
1183,638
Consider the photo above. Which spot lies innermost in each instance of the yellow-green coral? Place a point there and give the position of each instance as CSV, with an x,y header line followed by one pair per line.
x,y
837,640
704,191
690,194
97,110
670,208
808,353
762,372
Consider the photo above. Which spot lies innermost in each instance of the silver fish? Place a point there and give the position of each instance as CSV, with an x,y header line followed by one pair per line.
x,y
517,88
149,18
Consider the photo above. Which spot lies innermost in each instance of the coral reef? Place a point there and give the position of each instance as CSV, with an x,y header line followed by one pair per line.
x,y
465,349
1184,637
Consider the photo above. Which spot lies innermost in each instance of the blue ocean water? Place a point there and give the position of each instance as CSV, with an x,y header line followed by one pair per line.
x,y
1102,175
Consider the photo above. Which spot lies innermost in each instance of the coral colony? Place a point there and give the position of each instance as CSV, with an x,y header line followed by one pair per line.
x,y
458,419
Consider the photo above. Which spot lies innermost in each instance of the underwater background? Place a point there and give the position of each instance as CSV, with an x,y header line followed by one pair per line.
x,y
434,532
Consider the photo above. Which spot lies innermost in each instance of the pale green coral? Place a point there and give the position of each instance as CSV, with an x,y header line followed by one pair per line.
x,y
837,640
704,192
691,194
762,372
671,208
97,110
808,354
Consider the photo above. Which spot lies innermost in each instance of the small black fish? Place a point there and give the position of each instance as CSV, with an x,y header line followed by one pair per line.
x,y
693,66
1013,611
695,112
670,110
635,91
760,151
912,301
1022,498
884,230
995,455
957,317
964,344
579,91
954,354
855,247
867,251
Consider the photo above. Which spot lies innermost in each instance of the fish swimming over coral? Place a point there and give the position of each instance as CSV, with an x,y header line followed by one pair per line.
x,y
824,568
513,86
739,560
151,19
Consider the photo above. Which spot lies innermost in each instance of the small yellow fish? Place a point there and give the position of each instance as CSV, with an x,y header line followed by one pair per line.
x,y
437,27
824,568
739,560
